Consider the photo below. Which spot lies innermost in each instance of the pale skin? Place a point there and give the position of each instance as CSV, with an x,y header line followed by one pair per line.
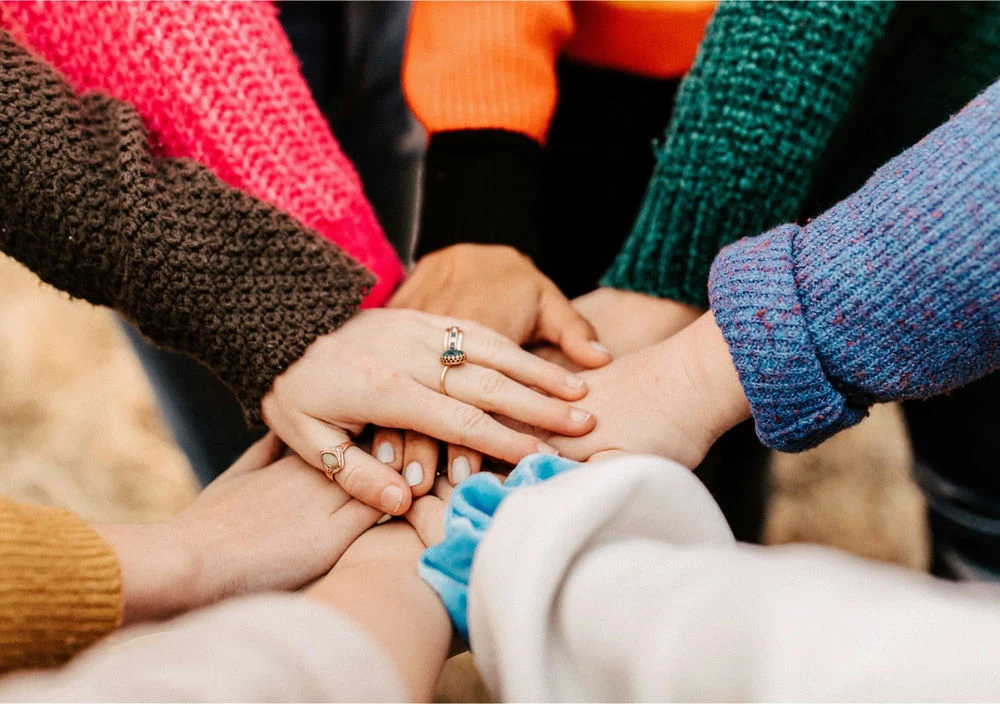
x,y
383,367
501,288
263,510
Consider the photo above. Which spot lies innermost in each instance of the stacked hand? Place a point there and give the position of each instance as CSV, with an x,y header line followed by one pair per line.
x,y
501,289
384,367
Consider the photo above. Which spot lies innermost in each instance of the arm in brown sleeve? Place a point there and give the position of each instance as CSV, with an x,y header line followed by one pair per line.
x,y
60,586
198,266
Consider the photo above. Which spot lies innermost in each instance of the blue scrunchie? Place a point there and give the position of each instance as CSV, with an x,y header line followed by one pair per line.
x,y
447,565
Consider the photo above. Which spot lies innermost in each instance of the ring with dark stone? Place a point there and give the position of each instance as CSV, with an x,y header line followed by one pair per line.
x,y
452,357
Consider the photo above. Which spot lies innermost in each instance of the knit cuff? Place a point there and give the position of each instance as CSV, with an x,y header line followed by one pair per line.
x,y
448,565
755,302
61,584
481,186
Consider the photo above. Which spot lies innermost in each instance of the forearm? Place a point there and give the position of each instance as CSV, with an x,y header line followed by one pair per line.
x,y
891,294
219,83
715,181
198,266
382,593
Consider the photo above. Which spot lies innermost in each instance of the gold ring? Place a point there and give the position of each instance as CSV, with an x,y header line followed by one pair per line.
x,y
444,371
453,354
333,459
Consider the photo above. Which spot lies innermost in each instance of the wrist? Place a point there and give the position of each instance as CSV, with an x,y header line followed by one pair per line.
x,y
159,570
709,366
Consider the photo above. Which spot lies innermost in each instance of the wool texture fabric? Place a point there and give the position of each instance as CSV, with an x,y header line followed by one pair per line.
x,y
60,586
197,265
754,115
217,82
892,294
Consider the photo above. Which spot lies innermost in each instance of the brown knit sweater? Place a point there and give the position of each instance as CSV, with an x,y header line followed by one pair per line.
x,y
198,266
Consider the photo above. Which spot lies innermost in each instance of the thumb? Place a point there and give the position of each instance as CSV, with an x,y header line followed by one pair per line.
x,y
562,325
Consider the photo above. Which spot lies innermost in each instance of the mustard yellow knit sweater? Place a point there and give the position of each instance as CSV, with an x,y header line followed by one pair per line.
x,y
60,586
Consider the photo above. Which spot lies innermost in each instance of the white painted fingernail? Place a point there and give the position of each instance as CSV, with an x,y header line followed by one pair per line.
x,y
392,498
578,415
574,381
413,474
460,470
384,453
599,347
547,449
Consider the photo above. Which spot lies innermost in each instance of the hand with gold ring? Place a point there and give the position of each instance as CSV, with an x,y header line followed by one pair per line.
x,y
384,367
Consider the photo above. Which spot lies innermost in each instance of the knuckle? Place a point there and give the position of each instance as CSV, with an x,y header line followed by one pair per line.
x,y
493,346
470,421
492,385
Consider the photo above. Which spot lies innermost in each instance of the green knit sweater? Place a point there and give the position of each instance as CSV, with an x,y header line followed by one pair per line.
x,y
788,107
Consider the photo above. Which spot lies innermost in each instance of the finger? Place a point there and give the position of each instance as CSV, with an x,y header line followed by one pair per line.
x,y
462,463
262,453
387,446
363,477
420,458
563,325
452,421
490,349
427,518
443,489
492,391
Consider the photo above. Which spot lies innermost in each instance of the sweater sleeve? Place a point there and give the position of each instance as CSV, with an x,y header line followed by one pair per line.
x,y
752,118
620,581
218,83
481,78
892,294
60,586
198,266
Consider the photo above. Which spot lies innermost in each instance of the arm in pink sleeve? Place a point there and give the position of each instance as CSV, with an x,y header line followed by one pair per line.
x,y
218,83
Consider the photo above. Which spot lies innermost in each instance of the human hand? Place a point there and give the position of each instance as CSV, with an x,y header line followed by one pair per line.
x,y
627,321
376,585
672,399
264,524
500,288
383,367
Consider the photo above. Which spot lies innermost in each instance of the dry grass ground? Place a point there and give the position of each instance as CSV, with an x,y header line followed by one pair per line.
x,y
79,429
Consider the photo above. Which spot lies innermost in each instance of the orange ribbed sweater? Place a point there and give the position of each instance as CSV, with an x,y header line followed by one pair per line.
x,y
60,586
492,65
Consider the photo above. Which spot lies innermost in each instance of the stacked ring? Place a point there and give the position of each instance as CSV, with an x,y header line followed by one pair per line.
x,y
453,354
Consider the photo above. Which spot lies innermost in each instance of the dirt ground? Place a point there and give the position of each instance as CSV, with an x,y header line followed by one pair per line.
x,y
79,428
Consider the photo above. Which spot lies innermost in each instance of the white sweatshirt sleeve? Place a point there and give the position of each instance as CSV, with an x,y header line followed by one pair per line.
x,y
620,581
267,648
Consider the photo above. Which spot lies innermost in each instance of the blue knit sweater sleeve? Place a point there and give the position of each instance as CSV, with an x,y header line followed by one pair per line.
x,y
892,294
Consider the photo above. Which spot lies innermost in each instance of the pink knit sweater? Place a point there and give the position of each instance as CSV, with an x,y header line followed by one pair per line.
x,y
217,82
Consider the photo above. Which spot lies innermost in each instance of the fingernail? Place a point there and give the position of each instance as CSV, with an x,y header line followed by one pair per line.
x,y
460,469
547,449
384,453
578,415
392,498
413,474
599,347
574,381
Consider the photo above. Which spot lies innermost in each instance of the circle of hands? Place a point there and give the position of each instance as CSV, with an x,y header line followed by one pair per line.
x,y
607,372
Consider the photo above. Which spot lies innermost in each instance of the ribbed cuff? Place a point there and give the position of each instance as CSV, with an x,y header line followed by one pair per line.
x,y
756,305
61,584
481,186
